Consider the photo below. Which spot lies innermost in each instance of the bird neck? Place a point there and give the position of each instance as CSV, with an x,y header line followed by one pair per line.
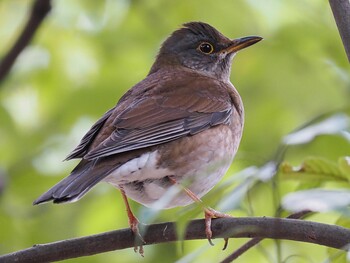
x,y
167,61
164,60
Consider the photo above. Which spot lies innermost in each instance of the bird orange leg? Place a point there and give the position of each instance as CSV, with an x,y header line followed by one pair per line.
x,y
133,223
209,214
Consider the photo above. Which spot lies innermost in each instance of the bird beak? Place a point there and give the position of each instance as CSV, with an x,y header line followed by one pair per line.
x,y
240,43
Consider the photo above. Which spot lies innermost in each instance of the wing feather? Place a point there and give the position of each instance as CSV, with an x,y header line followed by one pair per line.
x,y
82,148
175,106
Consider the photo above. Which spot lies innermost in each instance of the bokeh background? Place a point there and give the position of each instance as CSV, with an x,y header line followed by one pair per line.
x,y
87,53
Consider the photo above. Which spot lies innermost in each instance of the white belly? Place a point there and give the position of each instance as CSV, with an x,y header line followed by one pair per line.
x,y
145,182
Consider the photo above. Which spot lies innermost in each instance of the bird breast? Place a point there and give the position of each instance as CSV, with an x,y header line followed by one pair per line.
x,y
196,162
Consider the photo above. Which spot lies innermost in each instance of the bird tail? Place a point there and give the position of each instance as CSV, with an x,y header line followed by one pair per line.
x,y
73,187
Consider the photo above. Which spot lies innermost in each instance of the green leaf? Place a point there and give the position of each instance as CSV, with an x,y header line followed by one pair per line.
x,y
314,168
344,166
318,200
331,125
250,176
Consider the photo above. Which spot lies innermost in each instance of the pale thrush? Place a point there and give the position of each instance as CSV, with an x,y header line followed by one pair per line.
x,y
181,125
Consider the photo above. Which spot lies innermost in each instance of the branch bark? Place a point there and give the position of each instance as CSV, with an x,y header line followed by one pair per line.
x,y
39,10
256,240
275,228
341,13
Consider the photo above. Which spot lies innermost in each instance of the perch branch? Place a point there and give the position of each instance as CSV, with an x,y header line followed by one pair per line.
x,y
275,228
256,240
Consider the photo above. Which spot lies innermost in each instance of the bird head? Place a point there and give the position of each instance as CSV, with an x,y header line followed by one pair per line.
x,y
200,47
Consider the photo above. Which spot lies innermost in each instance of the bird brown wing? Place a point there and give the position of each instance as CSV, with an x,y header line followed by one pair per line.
x,y
82,148
172,110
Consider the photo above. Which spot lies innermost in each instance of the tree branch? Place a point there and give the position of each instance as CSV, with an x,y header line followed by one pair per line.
x,y
341,13
275,228
39,10
256,240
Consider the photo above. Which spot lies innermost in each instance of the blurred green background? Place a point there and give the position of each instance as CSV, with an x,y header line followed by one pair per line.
x,y
87,53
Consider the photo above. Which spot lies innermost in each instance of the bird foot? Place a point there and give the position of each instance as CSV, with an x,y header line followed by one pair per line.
x,y
134,226
209,214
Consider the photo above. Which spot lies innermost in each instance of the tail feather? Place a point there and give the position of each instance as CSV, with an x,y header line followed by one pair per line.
x,y
73,187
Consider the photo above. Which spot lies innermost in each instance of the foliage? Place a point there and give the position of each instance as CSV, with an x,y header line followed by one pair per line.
x,y
88,53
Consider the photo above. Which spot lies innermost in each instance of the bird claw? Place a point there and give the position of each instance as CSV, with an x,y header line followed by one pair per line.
x,y
226,243
134,226
139,249
208,231
209,214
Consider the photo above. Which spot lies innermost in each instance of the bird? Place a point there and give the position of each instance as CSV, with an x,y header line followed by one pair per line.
x,y
181,125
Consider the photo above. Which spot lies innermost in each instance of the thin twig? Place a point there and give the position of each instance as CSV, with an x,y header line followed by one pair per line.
x,y
275,228
246,246
341,13
39,10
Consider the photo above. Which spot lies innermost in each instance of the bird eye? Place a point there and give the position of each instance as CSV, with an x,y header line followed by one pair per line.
x,y
206,48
